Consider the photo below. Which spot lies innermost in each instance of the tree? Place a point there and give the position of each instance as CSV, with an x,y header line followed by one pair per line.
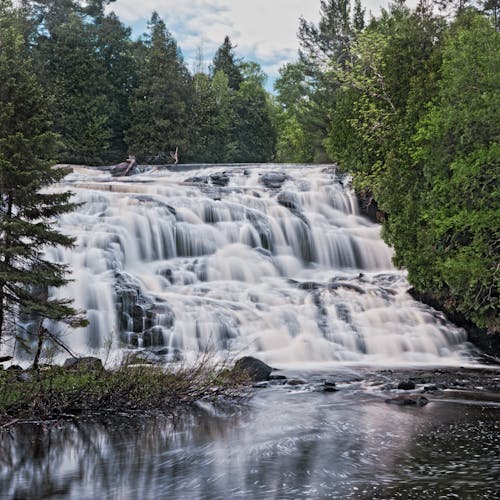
x,y
161,100
456,149
225,61
252,131
27,212
69,65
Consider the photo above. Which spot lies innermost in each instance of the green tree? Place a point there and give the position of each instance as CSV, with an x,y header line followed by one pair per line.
x,y
161,100
27,212
457,151
69,64
225,61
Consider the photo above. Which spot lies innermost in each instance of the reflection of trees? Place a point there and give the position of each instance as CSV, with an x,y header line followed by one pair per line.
x,y
291,446
42,461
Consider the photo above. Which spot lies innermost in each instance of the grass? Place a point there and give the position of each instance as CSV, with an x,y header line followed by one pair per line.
x,y
56,392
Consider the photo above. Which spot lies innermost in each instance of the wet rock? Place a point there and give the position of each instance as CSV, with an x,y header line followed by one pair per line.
x,y
406,385
153,337
296,381
273,180
256,369
309,285
197,180
408,400
220,179
87,363
288,200
329,386
14,368
430,388
277,377
347,286
3,359
260,385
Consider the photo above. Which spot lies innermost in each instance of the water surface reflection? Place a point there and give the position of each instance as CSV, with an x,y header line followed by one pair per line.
x,y
286,444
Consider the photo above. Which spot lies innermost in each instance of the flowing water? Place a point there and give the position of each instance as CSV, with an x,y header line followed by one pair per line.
x,y
263,259
273,261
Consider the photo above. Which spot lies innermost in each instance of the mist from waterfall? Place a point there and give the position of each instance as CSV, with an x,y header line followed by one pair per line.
x,y
270,260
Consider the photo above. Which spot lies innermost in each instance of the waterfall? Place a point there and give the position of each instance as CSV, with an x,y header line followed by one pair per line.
x,y
270,260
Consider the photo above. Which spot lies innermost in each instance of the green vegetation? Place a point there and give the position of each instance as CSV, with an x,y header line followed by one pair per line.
x,y
111,96
409,106
26,213
55,392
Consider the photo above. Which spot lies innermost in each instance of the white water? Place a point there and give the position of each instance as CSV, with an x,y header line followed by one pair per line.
x,y
162,262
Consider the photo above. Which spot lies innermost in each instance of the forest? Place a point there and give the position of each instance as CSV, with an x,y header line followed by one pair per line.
x,y
405,101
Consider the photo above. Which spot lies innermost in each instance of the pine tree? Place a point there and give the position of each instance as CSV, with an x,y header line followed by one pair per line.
x,y
225,61
161,100
27,212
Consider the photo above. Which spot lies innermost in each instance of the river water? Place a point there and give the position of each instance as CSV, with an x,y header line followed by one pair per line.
x,y
287,443
276,262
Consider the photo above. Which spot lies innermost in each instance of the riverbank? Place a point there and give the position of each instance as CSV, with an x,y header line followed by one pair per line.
x,y
82,388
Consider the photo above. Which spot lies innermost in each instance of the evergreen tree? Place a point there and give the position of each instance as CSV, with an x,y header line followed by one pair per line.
x,y
225,61
70,66
26,212
161,101
358,21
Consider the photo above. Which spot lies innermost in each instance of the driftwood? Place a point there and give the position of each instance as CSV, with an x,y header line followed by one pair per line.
x,y
175,155
124,168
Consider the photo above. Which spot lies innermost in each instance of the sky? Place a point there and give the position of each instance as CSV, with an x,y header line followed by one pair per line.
x,y
264,31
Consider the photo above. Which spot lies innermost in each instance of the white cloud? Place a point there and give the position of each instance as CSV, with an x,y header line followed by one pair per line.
x,y
263,30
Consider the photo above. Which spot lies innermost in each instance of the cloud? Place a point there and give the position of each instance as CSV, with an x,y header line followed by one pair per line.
x,y
264,31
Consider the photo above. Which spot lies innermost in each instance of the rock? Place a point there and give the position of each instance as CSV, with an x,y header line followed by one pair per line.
x,y
3,359
296,381
288,200
256,369
430,388
273,180
329,386
87,363
408,400
406,385
198,180
220,179
14,368
277,377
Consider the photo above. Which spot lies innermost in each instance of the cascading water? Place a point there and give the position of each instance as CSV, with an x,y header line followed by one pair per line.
x,y
265,259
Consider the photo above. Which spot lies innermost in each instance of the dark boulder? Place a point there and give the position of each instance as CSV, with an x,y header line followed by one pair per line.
x,y
87,363
220,179
329,386
14,368
406,385
273,180
3,359
288,200
408,400
256,369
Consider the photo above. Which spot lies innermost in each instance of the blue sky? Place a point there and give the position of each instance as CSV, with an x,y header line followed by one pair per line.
x,y
264,31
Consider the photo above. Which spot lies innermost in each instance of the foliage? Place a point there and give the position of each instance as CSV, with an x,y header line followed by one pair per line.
x,y
161,99
225,61
56,392
27,212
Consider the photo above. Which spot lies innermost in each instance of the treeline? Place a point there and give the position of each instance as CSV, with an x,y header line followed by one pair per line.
x,y
409,105
109,95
